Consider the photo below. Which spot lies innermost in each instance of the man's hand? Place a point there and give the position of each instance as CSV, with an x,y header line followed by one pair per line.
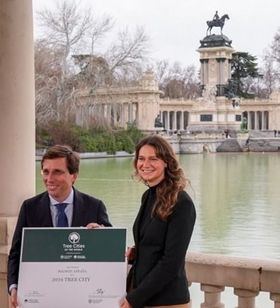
x,y
94,225
13,298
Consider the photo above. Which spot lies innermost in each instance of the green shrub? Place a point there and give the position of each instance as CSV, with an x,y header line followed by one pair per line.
x,y
124,142
134,133
88,140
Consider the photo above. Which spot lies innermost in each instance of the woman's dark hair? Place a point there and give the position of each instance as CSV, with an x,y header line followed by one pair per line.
x,y
58,151
174,180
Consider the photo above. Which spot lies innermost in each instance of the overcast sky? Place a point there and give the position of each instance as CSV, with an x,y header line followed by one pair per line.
x,y
175,27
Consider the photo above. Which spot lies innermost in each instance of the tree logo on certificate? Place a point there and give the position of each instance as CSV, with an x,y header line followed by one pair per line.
x,y
74,248
74,238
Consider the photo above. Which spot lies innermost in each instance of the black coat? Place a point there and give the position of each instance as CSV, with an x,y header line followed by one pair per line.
x,y
159,276
35,212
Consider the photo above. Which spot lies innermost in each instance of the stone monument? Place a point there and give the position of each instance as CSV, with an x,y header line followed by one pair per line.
x,y
215,111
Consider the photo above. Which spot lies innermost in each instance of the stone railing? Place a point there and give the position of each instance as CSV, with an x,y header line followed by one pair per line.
x,y
213,272
246,276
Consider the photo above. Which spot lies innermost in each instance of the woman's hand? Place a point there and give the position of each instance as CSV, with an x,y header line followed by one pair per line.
x,y
130,253
125,304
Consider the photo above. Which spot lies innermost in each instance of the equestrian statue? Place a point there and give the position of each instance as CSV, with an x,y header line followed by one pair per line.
x,y
216,22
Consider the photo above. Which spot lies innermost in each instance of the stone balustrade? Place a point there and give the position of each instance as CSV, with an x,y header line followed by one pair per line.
x,y
213,272
246,276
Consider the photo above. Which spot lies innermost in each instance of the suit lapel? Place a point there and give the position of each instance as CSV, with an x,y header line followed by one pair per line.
x,y
44,212
78,209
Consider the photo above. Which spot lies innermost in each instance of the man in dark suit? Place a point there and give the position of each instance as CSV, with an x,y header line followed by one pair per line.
x,y
60,206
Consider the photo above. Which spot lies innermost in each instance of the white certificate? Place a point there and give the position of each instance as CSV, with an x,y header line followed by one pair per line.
x,y
72,268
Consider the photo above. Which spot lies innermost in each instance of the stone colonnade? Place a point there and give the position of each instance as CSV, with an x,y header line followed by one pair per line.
x,y
120,106
174,120
143,109
115,114
256,120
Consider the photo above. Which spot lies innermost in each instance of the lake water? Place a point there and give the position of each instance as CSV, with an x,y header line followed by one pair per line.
x,y
237,197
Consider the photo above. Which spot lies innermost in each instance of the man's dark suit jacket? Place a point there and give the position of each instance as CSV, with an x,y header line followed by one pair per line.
x,y
35,212
159,276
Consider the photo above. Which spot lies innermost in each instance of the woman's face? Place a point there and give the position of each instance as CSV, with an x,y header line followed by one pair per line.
x,y
149,167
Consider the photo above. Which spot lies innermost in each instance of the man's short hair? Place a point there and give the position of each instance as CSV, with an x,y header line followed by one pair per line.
x,y
58,151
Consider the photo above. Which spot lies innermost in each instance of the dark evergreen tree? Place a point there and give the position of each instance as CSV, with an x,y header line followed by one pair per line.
x,y
243,68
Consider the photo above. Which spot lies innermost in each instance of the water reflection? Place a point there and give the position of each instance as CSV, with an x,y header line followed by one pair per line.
x,y
236,196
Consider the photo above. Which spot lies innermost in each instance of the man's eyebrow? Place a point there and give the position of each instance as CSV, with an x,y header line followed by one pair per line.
x,y
47,169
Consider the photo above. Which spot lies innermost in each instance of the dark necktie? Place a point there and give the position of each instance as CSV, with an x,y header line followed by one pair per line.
x,y
62,220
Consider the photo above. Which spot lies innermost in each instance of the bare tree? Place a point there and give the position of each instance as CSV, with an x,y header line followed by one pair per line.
x,y
98,29
69,31
64,27
268,82
177,81
162,70
127,56
47,73
53,98
275,47
271,65
122,63
65,30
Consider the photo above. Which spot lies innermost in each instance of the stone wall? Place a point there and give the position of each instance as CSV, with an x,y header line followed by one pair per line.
x,y
264,145
204,143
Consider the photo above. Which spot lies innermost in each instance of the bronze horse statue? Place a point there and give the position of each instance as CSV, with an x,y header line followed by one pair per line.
x,y
217,23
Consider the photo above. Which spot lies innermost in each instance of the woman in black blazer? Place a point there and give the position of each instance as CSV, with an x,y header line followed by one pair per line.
x,y
162,230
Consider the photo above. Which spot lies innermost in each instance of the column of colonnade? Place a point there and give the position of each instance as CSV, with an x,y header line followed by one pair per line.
x,y
257,120
220,70
17,121
174,125
182,121
127,112
204,71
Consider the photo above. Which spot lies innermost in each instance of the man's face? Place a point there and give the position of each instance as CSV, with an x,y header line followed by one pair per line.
x,y
57,179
